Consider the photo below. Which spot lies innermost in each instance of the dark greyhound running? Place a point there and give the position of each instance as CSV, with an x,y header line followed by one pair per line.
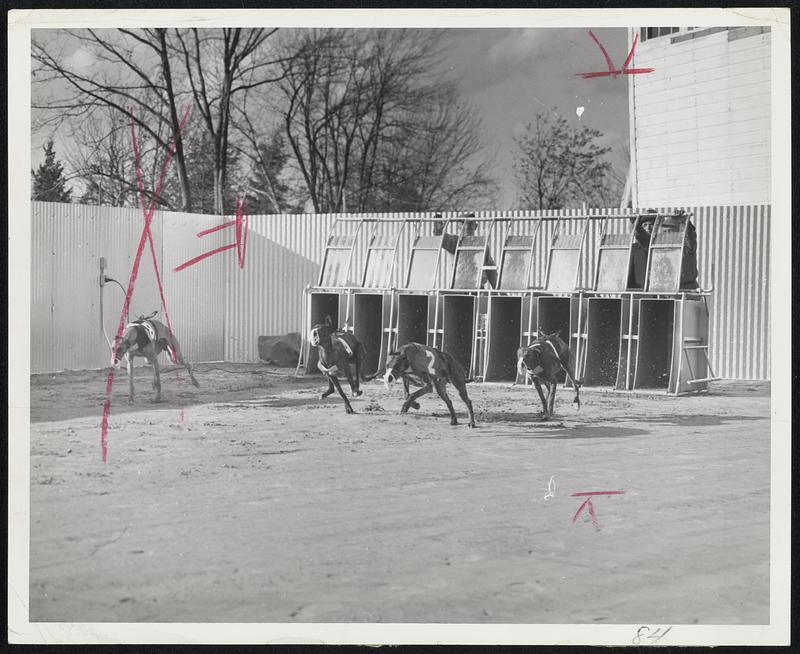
x,y
338,351
148,338
541,361
433,368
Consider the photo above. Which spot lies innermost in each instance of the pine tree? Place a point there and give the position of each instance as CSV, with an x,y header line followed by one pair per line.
x,y
49,184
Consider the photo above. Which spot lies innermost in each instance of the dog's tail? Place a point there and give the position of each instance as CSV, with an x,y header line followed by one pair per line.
x,y
361,353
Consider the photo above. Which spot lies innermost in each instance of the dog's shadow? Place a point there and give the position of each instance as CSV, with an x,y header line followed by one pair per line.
x,y
516,417
588,431
532,426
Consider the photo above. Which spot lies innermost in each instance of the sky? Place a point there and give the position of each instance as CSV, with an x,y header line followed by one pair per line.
x,y
508,75
511,74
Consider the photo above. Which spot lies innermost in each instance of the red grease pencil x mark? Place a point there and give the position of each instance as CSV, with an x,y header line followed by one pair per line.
x,y
146,236
614,72
240,222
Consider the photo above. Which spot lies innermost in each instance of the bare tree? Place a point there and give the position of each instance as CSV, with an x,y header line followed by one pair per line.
x,y
324,102
130,69
558,165
223,64
102,159
370,125
435,161
264,157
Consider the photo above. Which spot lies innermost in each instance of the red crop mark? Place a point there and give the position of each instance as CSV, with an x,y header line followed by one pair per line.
x,y
589,506
146,236
240,223
614,72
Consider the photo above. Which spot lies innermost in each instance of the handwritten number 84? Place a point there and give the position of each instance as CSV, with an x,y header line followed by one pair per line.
x,y
644,632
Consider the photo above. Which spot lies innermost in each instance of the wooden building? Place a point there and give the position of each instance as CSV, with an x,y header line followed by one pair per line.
x,y
700,122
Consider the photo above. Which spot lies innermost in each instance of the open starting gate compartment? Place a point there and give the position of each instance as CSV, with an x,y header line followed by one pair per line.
x,y
598,360
664,344
505,329
412,319
459,328
319,306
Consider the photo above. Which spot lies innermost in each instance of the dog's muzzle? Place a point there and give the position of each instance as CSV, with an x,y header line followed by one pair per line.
x,y
525,371
522,369
313,337
389,378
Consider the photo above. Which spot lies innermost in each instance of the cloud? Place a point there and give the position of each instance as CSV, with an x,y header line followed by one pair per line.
x,y
517,44
80,61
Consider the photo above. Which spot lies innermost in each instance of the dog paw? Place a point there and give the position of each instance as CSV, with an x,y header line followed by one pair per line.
x,y
349,410
357,393
156,400
454,421
415,405
130,401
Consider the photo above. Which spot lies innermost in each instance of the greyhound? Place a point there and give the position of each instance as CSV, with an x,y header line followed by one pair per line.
x,y
542,360
338,351
148,338
433,368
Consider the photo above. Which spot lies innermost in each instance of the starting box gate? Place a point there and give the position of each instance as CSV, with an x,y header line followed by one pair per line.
x,y
481,287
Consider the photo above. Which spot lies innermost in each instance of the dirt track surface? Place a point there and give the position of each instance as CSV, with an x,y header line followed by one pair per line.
x,y
250,499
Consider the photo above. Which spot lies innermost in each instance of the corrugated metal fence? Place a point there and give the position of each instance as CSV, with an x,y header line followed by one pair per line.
x,y
219,309
69,310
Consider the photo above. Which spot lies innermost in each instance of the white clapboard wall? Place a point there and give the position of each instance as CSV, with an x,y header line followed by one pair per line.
x,y
701,119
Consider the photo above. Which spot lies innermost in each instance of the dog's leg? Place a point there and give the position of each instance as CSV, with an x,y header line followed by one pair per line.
x,y
551,398
335,381
462,392
414,405
129,366
330,387
156,378
576,385
442,391
176,349
411,399
350,380
357,387
538,384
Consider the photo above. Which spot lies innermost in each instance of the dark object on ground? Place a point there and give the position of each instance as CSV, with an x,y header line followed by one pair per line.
x,y
282,351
